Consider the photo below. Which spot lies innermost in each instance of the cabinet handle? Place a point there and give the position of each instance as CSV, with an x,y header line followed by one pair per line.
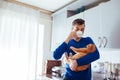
x,y
100,41
104,41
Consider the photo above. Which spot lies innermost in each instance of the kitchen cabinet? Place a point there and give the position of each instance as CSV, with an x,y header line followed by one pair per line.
x,y
58,30
102,24
110,23
92,24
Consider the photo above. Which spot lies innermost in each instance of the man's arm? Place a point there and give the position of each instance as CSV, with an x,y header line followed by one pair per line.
x,y
89,57
57,54
63,47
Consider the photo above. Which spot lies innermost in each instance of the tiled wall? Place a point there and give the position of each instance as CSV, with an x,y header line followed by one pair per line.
x,y
110,55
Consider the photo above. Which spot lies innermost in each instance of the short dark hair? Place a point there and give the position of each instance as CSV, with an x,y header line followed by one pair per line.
x,y
78,21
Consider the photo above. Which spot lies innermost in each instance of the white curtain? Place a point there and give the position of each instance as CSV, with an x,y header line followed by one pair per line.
x,y
18,42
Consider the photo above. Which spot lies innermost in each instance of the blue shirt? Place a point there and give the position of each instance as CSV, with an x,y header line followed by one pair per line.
x,y
87,59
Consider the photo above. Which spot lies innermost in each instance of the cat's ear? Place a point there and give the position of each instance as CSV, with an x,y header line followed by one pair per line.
x,y
91,47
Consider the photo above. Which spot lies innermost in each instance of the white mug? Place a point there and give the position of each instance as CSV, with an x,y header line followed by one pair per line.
x,y
79,33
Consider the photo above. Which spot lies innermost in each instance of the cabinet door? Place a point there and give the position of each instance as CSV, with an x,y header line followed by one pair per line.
x,y
110,20
58,30
92,22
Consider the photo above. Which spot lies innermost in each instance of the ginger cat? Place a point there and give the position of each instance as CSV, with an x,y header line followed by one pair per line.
x,y
80,52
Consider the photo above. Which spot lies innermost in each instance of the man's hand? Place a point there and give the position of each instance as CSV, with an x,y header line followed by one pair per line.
x,y
73,65
70,36
72,62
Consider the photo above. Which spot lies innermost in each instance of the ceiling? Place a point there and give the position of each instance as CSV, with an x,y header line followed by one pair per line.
x,y
50,5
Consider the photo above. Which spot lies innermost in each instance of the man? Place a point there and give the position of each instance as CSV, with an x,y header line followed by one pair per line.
x,y
76,40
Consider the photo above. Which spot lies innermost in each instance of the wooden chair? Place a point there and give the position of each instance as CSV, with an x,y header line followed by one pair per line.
x,y
50,64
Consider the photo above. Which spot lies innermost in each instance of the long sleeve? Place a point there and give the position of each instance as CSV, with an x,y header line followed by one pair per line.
x,y
90,57
57,54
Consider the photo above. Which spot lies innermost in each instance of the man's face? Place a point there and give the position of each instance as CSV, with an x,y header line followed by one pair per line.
x,y
78,27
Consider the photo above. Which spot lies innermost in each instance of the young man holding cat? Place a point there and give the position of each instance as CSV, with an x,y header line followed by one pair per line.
x,y
76,40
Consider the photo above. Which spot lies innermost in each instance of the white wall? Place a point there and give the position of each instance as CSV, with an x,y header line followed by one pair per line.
x,y
59,29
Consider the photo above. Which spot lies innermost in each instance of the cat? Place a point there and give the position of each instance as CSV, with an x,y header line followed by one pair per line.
x,y
80,52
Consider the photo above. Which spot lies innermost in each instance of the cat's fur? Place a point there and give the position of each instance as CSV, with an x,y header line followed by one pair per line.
x,y
80,52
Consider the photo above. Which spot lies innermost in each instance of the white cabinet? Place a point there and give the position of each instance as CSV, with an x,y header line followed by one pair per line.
x,y
110,23
92,24
58,30
103,24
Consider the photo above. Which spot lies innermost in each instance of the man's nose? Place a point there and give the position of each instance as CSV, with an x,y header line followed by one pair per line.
x,y
80,29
